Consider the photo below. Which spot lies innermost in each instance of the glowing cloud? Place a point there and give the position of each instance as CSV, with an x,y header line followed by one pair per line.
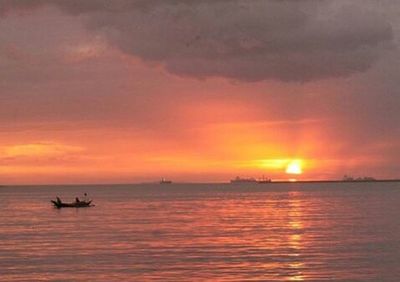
x,y
41,149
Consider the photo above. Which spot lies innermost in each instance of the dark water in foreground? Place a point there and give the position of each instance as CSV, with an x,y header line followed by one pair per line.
x,y
187,232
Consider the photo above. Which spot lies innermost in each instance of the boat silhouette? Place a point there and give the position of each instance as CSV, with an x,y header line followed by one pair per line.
x,y
77,204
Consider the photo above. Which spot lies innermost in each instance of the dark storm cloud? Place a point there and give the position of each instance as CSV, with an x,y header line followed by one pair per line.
x,y
246,40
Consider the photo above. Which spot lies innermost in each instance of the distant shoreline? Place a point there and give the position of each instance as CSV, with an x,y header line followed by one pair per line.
x,y
331,181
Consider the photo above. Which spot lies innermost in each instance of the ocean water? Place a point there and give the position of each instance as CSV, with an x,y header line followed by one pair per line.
x,y
203,232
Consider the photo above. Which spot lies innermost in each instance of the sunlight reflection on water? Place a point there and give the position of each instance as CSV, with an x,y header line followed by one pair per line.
x,y
296,232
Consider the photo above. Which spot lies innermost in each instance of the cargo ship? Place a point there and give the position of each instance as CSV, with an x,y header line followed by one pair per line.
x,y
239,180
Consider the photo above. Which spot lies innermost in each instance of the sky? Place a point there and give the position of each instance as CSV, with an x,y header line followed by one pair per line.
x,y
120,91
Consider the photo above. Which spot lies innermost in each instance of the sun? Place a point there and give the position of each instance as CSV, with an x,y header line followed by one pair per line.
x,y
294,167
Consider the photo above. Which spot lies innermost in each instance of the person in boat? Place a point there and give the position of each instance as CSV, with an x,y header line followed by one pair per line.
x,y
58,200
77,200
85,197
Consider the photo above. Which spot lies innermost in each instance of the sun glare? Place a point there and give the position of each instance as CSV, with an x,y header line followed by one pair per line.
x,y
294,167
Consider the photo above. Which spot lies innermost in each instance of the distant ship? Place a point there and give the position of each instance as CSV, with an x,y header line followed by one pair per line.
x,y
165,181
264,180
239,180
352,179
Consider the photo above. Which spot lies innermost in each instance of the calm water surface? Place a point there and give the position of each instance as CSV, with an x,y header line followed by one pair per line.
x,y
193,232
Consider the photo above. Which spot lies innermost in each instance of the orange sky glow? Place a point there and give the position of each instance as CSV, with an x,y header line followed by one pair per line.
x,y
79,105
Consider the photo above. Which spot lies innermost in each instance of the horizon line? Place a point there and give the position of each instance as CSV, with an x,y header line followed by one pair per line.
x,y
213,182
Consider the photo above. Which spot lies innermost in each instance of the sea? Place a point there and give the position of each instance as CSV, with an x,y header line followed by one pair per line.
x,y
202,232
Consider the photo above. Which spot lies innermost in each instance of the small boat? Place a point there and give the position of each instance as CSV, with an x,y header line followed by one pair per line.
x,y
165,181
81,204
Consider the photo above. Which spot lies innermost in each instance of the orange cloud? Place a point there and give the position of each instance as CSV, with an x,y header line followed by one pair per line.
x,y
40,149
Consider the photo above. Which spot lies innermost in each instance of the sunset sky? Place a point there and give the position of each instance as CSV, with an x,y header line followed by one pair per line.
x,y
99,91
